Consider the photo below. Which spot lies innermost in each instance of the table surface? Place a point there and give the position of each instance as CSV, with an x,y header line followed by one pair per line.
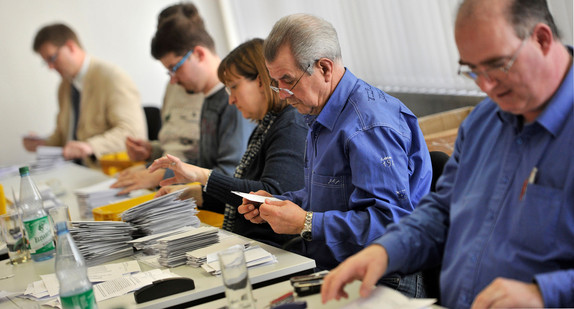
x,y
208,287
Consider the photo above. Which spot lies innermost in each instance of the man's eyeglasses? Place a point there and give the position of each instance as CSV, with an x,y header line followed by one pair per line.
x,y
289,92
179,64
52,59
492,69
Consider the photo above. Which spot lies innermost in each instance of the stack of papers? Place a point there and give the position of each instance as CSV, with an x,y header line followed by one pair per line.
x,y
162,214
102,241
47,157
254,256
172,248
198,257
146,244
101,194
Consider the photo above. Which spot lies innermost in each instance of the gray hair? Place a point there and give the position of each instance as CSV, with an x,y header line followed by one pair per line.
x,y
309,37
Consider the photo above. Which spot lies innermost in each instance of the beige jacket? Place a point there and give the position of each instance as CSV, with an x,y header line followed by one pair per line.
x,y
110,110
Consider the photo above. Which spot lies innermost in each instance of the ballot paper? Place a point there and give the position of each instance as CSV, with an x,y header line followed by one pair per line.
x,y
254,256
383,297
127,284
198,257
102,241
255,198
47,157
100,194
162,214
95,274
172,248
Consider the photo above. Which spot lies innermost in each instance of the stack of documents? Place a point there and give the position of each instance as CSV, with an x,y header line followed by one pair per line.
x,y
172,248
101,194
102,241
162,214
254,256
198,257
47,157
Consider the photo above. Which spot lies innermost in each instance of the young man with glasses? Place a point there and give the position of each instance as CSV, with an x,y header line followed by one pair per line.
x,y
99,105
188,53
502,219
366,162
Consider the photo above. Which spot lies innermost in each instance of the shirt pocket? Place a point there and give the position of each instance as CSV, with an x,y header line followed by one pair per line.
x,y
328,192
539,218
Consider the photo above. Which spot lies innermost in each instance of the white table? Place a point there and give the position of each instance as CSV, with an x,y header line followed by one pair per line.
x,y
71,176
207,288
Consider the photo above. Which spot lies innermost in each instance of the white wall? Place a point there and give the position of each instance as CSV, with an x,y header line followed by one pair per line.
x,y
116,31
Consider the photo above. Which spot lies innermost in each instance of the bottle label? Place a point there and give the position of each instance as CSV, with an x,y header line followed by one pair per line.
x,y
84,300
40,235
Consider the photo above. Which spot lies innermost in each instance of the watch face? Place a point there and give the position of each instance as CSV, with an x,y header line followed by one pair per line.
x,y
306,236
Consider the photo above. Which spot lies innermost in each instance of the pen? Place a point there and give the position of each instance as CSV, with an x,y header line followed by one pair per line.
x,y
530,180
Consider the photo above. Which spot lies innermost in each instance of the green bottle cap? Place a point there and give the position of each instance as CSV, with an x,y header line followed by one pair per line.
x,y
24,170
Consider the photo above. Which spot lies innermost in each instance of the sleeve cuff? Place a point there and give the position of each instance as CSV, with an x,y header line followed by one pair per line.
x,y
556,288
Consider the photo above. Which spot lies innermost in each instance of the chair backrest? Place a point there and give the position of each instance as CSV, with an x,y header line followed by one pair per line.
x,y
438,160
153,118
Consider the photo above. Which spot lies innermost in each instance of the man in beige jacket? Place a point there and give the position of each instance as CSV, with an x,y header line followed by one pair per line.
x,y
99,104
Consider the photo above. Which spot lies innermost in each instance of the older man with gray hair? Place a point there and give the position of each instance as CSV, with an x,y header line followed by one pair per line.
x,y
366,163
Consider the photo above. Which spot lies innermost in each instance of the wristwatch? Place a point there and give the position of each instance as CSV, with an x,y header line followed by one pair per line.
x,y
307,228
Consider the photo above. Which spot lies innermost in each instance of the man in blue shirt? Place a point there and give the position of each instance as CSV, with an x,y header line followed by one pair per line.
x,y
502,219
366,163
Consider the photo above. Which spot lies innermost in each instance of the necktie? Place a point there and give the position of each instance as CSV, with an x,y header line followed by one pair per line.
x,y
75,109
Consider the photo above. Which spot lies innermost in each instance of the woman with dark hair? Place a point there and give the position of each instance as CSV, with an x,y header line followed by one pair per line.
x,y
274,157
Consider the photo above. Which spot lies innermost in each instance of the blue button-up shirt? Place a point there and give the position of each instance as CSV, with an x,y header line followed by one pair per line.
x,y
366,166
493,214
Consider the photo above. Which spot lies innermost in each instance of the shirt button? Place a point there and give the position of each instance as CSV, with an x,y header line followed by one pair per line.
x,y
505,180
519,141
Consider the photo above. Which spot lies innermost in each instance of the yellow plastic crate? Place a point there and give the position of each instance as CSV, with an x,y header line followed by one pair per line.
x,y
113,211
112,163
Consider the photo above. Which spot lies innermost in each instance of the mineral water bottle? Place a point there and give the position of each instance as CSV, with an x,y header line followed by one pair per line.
x,y
76,290
35,219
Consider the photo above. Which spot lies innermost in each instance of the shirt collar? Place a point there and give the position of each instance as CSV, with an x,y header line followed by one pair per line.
x,y
78,81
334,106
557,113
213,90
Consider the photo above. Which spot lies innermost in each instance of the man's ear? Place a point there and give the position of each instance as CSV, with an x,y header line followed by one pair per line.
x,y
199,52
543,36
325,67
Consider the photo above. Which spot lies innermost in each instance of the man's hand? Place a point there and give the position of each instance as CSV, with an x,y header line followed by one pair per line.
x,y
249,210
31,142
368,265
138,149
284,217
183,172
507,293
77,150
138,179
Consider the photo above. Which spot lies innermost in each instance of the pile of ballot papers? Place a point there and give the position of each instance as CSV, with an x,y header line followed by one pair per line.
x,y
102,241
207,257
101,194
47,157
172,248
162,214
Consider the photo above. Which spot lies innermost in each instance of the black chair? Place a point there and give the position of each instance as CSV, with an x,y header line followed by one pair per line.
x,y
153,118
431,276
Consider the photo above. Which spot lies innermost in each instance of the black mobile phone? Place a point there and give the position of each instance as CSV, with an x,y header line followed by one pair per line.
x,y
308,287
314,276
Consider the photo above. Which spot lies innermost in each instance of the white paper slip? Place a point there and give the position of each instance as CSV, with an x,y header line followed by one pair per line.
x,y
387,298
255,198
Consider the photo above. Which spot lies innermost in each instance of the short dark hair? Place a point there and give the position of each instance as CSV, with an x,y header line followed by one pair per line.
x,y
57,34
185,9
179,34
523,15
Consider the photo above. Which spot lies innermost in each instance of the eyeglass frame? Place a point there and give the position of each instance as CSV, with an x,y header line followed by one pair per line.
x,y
473,75
176,67
290,91
52,59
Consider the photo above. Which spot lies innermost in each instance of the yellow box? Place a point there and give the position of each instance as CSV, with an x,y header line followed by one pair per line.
x,y
440,129
113,211
112,163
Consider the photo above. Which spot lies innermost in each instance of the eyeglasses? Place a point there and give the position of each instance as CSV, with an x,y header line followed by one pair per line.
x,y
492,69
289,92
171,72
50,60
